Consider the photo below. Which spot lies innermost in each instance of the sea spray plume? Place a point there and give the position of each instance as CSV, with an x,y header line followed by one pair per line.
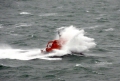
x,y
76,39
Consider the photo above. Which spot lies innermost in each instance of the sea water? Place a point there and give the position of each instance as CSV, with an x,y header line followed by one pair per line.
x,y
92,27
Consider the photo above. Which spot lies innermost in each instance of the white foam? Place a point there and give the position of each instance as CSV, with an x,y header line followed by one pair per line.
x,y
20,54
23,25
48,14
93,27
109,29
25,13
75,41
15,34
102,64
1,26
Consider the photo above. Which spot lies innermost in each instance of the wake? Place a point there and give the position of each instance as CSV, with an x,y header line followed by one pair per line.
x,y
75,41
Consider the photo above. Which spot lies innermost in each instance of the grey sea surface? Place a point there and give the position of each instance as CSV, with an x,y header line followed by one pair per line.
x,y
27,24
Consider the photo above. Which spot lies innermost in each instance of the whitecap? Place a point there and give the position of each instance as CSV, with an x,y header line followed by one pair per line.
x,y
93,27
48,14
23,25
25,13
109,29
102,63
1,26
15,35
87,11
78,65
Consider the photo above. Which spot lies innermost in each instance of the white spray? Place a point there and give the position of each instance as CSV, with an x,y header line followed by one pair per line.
x,y
75,41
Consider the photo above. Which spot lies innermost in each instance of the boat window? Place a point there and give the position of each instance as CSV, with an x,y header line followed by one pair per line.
x,y
49,45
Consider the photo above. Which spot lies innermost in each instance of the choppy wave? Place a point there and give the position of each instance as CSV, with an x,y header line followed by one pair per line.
x,y
1,26
76,41
4,66
23,25
48,14
109,29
